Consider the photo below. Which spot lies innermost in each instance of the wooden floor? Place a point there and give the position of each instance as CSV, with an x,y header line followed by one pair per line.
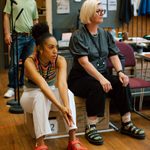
x,y
15,136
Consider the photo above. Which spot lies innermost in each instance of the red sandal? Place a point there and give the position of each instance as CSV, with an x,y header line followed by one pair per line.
x,y
71,145
42,147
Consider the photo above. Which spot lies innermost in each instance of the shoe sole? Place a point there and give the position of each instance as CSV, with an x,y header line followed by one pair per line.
x,y
8,96
95,143
140,137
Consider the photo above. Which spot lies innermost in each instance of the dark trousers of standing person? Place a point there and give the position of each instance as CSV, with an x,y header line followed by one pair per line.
x,y
22,47
25,48
91,89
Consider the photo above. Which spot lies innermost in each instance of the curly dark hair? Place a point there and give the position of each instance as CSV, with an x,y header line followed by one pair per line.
x,y
40,32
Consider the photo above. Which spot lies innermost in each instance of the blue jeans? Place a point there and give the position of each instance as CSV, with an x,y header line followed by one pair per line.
x,y
25,45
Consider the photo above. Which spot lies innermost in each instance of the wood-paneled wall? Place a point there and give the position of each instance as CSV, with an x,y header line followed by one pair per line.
x,y
138,26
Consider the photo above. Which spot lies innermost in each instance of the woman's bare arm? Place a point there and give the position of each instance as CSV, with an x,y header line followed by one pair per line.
x,y
32,74
62,79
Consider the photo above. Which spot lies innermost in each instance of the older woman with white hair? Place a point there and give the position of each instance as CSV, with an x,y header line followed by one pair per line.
x,y
91,46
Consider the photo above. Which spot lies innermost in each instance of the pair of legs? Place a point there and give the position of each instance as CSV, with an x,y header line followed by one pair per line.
x,y
23,46
35,102
90,89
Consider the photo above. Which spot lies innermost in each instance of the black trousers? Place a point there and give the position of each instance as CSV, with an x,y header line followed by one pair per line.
x,y
91,89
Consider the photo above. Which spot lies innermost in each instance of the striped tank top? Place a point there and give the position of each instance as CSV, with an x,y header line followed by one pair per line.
x,y
48,73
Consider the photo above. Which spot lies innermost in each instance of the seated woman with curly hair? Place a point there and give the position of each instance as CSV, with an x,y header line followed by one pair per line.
x,y
41,70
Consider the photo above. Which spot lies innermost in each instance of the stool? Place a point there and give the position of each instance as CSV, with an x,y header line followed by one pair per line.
x,y
81,119
81,115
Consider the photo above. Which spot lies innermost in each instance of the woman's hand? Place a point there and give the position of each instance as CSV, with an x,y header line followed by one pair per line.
x,y
124,79
66,112
105,84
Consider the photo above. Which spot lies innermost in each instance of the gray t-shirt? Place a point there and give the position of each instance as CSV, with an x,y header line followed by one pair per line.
x,y
81,44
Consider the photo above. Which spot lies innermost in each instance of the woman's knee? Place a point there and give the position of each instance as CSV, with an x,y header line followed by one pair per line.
x,y
26,103
96,89
40,98
71,95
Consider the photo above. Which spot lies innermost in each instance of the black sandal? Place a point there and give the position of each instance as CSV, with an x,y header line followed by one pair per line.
x,y
93,136
130,129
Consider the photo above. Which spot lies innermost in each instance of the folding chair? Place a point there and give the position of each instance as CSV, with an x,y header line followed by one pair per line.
x,y
137,84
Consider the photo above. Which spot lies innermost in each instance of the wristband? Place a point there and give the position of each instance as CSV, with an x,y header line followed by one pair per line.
x,y
119,72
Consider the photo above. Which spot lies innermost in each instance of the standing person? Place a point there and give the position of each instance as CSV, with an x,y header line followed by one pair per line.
x,y
41,70
89,78
25,42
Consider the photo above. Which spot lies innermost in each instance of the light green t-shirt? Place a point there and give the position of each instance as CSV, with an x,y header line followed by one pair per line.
x,y
25,21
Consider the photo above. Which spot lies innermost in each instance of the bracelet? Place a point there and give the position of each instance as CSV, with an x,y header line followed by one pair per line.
x,y
119,72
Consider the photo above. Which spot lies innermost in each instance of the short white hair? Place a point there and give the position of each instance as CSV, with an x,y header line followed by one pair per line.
x,y
88,10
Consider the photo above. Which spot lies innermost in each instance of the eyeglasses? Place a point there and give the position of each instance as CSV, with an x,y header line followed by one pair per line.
x,y
101,12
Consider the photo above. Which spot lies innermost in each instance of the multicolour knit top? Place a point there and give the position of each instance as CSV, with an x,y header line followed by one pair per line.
x,y
48,73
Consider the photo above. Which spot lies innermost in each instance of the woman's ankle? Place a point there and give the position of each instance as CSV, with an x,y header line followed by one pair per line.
x,y
72,135
40,141
92,120
126,117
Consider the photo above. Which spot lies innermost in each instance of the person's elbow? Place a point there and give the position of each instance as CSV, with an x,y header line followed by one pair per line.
x,y
86,65
62,84
84,62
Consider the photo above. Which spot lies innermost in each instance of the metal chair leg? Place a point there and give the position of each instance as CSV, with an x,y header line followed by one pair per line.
x,y
112,125
141,99
138,112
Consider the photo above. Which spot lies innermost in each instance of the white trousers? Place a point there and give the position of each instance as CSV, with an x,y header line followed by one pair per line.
x,y
34,101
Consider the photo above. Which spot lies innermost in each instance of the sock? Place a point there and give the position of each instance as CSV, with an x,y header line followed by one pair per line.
x,y
92,121
126,117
